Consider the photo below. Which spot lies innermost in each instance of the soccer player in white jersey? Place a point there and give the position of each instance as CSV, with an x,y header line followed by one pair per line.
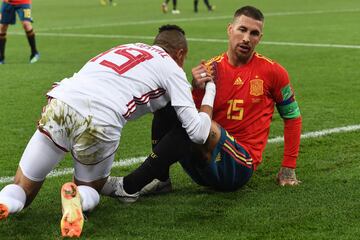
x,y
86,113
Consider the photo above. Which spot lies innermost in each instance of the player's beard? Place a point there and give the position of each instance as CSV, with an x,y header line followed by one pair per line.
x,y
243,55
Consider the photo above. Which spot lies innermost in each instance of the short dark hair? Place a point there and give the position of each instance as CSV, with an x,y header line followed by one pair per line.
x,y
169,27
249,11
171,38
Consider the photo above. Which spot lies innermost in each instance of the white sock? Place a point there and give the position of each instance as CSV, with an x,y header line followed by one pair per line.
x,y
109,187
90,198
14,197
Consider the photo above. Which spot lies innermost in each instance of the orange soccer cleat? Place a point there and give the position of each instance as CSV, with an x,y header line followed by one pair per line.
x,y
72,220
4,211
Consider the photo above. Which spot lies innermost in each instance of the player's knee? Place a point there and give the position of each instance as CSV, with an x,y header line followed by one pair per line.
x,y
3,28
200,155
2,35
27,26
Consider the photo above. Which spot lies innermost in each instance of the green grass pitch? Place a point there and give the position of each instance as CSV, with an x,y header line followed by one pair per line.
x,y
318,42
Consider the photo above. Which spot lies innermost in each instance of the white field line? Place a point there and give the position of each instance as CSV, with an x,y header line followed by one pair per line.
x,y
194,19
132,161
320,133
138,38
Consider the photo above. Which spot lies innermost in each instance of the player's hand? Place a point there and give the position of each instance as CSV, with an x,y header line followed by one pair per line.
x,y
287,176
201,74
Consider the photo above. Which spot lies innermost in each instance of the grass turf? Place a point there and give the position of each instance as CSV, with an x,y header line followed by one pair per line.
x,y
325,78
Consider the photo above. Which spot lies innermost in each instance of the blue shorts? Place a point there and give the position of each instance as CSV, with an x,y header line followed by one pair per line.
x,y
8,13
230,167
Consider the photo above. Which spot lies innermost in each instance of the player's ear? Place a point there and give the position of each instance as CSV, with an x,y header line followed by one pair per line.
x,y
261,35
229,28
180,56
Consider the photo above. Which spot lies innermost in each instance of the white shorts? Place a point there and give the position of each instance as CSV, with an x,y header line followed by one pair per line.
x,y
41,156
89,142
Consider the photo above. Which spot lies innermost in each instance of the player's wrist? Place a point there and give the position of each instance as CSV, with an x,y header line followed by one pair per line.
x,y
210,92
289,162
286,166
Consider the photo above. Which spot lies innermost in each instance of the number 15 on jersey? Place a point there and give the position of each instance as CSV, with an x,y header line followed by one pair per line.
x,y
235,111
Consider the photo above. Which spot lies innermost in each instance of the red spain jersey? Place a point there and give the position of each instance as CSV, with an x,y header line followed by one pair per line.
x,y
245,99
18,2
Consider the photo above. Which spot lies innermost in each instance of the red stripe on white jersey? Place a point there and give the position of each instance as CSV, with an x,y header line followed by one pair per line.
x,y
144,99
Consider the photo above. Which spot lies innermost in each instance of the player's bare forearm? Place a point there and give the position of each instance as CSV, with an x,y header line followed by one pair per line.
x,y
287,176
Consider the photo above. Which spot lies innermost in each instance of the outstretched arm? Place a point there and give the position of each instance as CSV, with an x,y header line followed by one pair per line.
x,y
197,124
292,133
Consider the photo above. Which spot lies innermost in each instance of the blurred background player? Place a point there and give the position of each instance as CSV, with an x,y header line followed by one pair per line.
x,y
208,5
108,2
22,8
165,8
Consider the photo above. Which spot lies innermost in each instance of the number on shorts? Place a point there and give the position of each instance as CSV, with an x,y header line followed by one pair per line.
x,y
27,13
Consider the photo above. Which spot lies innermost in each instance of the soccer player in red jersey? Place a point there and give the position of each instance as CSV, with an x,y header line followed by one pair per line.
x,y
9,9
248,87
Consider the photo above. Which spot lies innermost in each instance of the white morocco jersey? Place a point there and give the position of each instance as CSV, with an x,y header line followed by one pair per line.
x,y
124,83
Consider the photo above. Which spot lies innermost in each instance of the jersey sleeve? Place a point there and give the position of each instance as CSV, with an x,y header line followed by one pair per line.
x,y
292,134
283,94
197,125
288,108
198,95
179,90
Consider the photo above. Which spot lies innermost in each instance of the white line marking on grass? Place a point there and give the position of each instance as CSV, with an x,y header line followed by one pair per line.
x,y
281,43
193,19
320,133
132,161
77,35
61,172
311,44
6,179
89,35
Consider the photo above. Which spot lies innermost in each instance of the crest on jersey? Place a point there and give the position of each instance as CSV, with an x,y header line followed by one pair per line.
x,y
256,87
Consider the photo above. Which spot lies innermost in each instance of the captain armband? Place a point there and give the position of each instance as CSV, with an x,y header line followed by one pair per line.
x,y
289,110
